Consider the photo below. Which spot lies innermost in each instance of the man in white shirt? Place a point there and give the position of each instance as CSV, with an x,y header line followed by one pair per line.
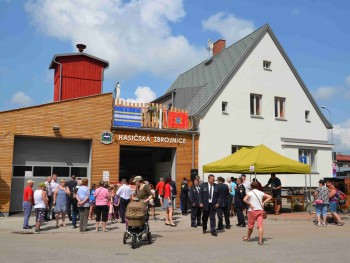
x,y
245,183
53,186
125,193
49,196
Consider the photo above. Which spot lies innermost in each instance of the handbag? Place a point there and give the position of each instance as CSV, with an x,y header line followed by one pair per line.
x,y
264,214
318,202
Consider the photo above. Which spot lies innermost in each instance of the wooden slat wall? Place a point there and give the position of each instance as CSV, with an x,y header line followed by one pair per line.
x,y
83,118
151,119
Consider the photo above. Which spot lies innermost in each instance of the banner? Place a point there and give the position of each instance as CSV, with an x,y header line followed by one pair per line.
x,y
127,117
178,120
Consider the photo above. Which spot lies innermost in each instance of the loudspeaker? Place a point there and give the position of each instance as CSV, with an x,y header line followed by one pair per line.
x,y
334,156
194,173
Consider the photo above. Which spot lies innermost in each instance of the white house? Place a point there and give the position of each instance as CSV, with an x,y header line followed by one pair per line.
x,y
249,94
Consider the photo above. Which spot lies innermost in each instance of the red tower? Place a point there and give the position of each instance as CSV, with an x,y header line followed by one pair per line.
x,y
77,74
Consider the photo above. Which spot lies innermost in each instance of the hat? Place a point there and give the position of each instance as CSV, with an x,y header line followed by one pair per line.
x,y
41,184
137,178
30,182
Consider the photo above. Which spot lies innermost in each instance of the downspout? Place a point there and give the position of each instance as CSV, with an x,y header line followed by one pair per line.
x,y
193,151
60,87
102,77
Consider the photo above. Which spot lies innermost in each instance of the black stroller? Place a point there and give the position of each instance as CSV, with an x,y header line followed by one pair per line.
x,y
137,223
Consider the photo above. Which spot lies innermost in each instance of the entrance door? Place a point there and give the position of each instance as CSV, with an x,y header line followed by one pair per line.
x,y
151,163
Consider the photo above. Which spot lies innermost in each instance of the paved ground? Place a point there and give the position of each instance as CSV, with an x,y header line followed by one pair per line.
x,y
290,237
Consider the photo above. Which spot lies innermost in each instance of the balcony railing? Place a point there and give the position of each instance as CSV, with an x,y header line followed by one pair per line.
x,y
149,115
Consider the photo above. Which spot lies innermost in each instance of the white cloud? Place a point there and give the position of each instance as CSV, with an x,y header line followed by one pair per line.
x,y
341,133
21,99
134,36
143,94
326,92
229,26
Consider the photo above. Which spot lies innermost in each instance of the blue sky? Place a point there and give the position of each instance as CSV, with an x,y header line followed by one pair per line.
x,y
148,43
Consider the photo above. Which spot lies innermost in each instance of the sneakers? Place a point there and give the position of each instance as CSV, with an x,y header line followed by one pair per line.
x,y
37,231
27,227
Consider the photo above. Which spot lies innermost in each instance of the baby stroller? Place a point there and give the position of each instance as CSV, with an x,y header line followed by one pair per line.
x,y
136,223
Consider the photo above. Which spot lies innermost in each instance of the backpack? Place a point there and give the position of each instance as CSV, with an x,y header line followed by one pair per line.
x,y
341,197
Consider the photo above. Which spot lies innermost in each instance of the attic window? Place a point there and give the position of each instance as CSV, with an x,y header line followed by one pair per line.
x,y
224,107
267,65
307,116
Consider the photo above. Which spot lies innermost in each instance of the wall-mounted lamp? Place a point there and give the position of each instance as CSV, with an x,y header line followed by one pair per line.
x,y
56,127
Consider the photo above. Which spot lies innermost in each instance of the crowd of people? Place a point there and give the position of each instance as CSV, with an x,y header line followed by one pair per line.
x,y
214,200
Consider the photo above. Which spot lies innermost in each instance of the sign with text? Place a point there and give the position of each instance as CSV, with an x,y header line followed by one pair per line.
x,y
154,139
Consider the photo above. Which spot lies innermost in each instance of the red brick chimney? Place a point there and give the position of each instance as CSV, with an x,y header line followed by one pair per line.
x,y
219,46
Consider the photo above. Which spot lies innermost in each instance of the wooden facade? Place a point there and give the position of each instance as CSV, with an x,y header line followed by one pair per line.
x,y
85,118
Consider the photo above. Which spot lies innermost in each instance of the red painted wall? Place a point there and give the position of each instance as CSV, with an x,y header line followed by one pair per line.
x,y
81,76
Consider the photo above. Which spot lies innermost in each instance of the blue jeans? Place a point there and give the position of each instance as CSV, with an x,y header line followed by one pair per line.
x,y
27,207
333,206
321,209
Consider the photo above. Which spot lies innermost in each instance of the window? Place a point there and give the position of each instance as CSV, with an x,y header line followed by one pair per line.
x,y
224,107
19,171
255,104
61,171
310,157
280,108
42,171
79,171
307,115
235,148
267,65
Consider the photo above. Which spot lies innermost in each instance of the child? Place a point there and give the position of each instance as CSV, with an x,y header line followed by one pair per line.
x,y
111,205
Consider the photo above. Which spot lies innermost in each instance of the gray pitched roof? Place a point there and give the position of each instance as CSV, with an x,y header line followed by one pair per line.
x,y
212,75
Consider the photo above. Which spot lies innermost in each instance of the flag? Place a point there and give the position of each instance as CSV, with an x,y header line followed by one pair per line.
x,y
178,120
127,116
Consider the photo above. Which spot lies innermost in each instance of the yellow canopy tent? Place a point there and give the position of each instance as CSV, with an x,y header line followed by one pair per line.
x,y
257,160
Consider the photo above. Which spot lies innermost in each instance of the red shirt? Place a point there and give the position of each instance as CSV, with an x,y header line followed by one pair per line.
x,y
167,191
160,187
28,191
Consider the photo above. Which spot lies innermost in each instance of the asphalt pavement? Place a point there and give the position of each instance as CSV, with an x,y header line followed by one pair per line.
x,y
289,237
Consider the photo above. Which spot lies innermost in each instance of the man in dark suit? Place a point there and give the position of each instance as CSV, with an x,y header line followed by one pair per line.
x,y
239,204
184,196
223,194
196,211
208,198
72,205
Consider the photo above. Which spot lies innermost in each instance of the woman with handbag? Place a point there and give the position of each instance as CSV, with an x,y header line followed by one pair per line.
x,y
102,197
321,203
256,213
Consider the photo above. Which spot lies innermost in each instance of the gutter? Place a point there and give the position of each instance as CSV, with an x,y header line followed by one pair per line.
x,y
60,87
102,77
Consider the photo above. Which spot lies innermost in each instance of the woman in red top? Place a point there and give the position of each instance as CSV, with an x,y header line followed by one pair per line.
x,y
167,203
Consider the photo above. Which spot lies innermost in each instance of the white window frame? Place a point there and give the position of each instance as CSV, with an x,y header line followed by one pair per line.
x,y
311,157
255,105
267,65
280,112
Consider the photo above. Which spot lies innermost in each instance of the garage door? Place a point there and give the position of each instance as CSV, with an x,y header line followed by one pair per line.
x,y
37,158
